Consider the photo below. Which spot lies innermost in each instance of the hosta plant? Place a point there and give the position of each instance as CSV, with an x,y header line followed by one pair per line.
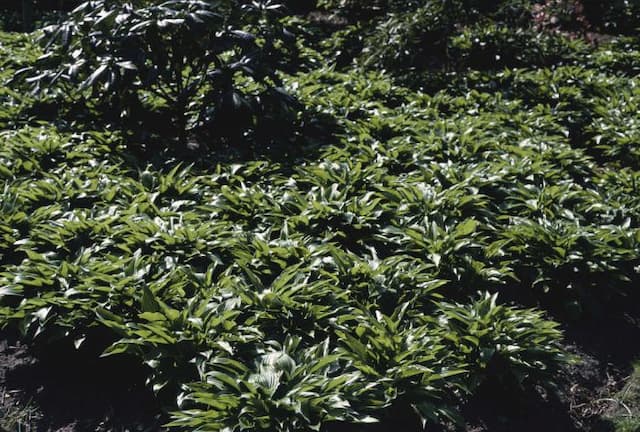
x,y
513,346
287,389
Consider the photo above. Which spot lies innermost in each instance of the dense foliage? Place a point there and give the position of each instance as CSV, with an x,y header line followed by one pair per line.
x,y
208,65
416,255
417,40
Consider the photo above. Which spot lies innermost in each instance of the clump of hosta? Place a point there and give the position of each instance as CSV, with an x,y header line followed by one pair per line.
x,y
288,389
506,344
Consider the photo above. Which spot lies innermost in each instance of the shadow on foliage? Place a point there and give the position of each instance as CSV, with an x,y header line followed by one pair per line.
x,y
284,134
277,140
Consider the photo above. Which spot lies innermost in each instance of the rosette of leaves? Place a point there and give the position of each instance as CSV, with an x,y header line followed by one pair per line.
x,y
289,388
202,64
515,348
406,364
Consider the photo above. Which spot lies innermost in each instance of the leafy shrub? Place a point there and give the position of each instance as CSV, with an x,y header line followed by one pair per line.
x,y
496,47
617,17
420,36
561,16
410,38
416,39
299,7
357,10
512,10
27,15
41,4
194,60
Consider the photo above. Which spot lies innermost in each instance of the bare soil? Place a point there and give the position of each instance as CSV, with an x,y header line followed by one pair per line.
x,y
72,390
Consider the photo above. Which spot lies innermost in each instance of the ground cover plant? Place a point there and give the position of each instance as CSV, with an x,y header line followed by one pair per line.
x,y
459,251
